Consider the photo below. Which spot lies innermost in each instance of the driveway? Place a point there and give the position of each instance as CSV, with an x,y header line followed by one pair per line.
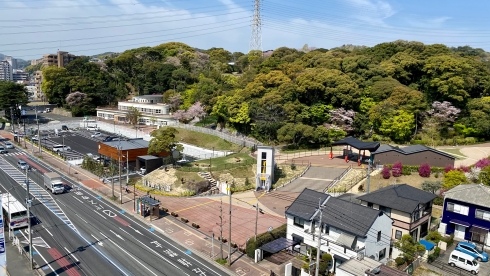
x,y
316,178
441,265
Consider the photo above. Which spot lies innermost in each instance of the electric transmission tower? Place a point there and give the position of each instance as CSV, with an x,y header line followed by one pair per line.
x,y
256,37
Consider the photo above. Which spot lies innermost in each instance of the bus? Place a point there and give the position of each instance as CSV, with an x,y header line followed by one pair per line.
x,y
14,213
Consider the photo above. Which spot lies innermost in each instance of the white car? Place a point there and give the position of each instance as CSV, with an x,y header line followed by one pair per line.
x,y
9,145
97,134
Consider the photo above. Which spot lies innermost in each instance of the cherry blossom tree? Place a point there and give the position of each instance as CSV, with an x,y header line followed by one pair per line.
x,y
342,118
76,98
196,110
174,102
444,111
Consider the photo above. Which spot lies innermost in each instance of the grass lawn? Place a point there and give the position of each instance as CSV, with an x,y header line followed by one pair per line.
x,y
414,180
227,162
456,152
436,211
207,141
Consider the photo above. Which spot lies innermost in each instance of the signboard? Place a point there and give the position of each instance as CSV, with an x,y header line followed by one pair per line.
x,y
3,255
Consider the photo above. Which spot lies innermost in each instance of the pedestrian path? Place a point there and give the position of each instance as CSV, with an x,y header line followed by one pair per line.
x,y
37,191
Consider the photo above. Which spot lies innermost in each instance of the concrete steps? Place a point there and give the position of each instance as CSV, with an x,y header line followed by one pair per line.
x,y
208,177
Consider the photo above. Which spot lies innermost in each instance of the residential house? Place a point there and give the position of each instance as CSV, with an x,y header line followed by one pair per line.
x,y
413,155
153,110
409,207
356,266
466,213
384,270
347,229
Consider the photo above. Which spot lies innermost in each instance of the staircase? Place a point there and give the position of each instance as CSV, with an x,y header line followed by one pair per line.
x,y
349,180
208,177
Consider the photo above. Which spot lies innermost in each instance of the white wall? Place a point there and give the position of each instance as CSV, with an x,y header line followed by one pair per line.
x,y
383,224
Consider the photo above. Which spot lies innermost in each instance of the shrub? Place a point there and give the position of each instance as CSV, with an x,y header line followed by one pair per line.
x,y
174,214
406,171
195,225
233,244
265,238
360,188
436,175
439,200
424,170
482,163
464,168
433,236
386,172
449,240
164,209
448,168
293,166
399,261
454,178
437,251
184,219
431,258
397,169
327,257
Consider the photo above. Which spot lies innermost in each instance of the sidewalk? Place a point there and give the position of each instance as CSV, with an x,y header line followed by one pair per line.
x,y
203,210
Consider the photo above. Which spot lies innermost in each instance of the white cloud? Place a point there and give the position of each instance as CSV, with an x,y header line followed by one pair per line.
x,y
371,11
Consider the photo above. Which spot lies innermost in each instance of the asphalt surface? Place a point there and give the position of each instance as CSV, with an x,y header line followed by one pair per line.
x,y
57,250
107,241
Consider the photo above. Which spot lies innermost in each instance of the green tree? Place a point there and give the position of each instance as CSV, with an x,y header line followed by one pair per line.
x,y
409,247
398,127
164,140
55,84
295,133
12,95
484,176
454,178
133,115
431,186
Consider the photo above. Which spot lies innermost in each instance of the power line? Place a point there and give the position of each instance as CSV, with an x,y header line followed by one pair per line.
x,y
116,15
90,28
134,3
131,19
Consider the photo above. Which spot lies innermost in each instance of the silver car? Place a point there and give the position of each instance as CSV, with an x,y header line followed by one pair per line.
x,y
9,145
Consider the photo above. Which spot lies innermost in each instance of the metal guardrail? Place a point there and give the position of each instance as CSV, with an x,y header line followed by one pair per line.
x,y
337,179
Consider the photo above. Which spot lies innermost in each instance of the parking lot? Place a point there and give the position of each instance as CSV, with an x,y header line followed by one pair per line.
x,y
441,265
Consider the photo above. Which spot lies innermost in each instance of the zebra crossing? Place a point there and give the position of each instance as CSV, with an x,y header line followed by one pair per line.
x,y
13,153
37,191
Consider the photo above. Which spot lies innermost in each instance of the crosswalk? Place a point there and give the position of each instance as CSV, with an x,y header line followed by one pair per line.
x,y
13,153
37,191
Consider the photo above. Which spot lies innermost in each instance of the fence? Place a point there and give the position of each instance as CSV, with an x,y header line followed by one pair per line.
x,y
337,179
295,177
239,139
323,151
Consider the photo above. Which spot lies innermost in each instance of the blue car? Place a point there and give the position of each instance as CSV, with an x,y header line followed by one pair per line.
x,y
472,250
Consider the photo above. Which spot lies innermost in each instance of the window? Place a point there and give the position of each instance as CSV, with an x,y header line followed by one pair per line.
x,y
382,254
299,222
370,205
398,234
482,214
386,210
326,229
456,208
264,155
379,235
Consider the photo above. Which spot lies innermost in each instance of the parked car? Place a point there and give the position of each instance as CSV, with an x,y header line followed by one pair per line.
x,y
35,138
8,145
22,165
471,249
143,170
65,128
3,150
58,148
464,261
97,134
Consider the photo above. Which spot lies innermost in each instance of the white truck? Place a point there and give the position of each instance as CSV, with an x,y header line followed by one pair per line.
x,y
52,182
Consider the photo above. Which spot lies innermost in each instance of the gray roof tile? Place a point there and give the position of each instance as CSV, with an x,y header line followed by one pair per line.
x,y
130,144
338,213
400,197
468,192
410,150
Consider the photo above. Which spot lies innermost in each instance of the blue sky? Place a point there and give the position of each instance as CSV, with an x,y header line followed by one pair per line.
x,y
30,28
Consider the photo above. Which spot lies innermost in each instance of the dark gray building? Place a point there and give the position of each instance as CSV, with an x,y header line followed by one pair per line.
x,y
413,155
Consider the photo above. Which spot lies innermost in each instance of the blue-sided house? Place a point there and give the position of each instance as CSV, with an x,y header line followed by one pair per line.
x,y
466,213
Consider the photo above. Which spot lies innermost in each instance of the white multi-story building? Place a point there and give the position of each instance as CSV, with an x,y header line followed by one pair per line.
x,y
12,61
31,92
153,110
6,71
347,229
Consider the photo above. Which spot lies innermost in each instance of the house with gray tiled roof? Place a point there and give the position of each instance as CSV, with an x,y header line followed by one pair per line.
x,y
466,213
347,229
413,155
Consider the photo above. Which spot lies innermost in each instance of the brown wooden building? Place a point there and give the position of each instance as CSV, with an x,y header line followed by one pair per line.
x,y
413,155
130,147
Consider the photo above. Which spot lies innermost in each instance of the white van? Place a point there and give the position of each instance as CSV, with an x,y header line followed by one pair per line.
x,y
58,148
92,128
464,261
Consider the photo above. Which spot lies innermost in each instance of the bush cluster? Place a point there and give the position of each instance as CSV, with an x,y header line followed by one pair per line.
x,y
264,238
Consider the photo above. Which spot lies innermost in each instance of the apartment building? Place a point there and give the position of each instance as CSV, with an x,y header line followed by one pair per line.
x,y
12,61
38,80
153,110
6,72
20,76
60,59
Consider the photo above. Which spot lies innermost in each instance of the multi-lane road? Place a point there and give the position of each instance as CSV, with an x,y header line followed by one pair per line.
x,y
80,233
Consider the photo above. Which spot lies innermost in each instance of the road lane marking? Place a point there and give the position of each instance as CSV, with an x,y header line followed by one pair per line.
x,y
124,231
42,257
117,235
77,199
99,214
81,218
71,254
159,255
47,230
137,231
132,257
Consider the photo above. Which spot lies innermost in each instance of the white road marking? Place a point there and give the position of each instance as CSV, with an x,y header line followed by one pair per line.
x,y
99,214
156,254
132,257
137,231
81,218
117,235
47,230
71,255
124,231
48,264
77,199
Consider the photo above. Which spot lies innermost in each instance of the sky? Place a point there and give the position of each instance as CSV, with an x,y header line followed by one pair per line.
x,y
31,28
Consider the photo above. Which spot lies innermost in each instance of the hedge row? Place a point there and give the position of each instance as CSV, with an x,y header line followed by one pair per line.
x,y
410,168
264,238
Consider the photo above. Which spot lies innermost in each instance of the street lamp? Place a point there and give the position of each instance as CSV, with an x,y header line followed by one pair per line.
x,y
28,204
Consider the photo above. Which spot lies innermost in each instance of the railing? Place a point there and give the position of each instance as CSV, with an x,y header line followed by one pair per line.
x,y
322,151
337,179
295,177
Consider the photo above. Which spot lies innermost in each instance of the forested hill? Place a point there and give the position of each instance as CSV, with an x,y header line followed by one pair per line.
x,y
397,91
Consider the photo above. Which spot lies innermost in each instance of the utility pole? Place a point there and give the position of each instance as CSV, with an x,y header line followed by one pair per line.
x,y
320,209
39,137
369,175
127,167
229,229
256,220
28,203
25,135
12,120
119,153
221,229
